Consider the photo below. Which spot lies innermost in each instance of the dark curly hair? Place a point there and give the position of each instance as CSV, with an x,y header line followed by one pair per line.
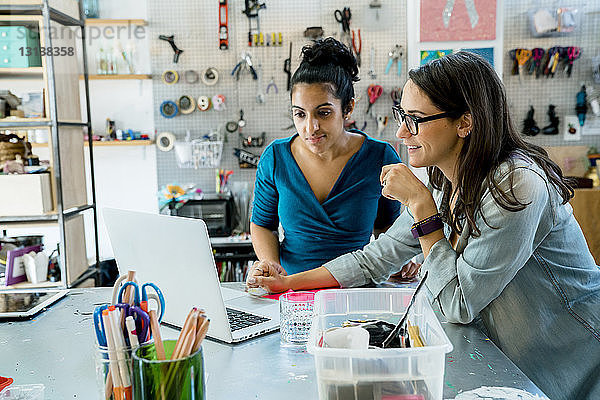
x,y
331,62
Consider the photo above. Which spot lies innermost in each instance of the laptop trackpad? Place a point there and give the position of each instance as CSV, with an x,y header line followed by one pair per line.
x,y
249,302
229,294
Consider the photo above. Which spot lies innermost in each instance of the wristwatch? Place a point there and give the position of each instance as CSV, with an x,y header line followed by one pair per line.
x,y
427,226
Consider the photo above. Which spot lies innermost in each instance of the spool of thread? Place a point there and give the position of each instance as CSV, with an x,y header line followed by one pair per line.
x,y
168,109
170,77
191,76
218,102
203,103
165,141
210,76
231,126
186,104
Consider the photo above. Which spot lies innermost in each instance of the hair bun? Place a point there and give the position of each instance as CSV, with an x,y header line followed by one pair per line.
x,y
330,51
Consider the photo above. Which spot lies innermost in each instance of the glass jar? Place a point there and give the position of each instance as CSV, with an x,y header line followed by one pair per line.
x,y
90,8
179,379
101,62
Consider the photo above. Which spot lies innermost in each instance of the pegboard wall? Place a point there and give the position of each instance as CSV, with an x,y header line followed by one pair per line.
x,y
560,90
195,26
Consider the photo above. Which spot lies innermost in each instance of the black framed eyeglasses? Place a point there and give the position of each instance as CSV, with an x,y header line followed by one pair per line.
x,y
412,122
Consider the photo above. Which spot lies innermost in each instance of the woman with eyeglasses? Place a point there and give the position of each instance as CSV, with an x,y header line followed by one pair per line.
x,y
500,241
322,183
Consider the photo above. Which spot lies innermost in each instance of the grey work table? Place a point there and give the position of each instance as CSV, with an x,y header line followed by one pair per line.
x,y
56,348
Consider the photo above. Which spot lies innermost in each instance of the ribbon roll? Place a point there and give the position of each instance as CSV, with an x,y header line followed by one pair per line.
x,y
170,77
165,141
218,102
231,126
186,104
191,76
168,109
210,76
203,103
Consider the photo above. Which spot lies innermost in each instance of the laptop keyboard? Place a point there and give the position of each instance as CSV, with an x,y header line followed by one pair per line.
x,y
240,319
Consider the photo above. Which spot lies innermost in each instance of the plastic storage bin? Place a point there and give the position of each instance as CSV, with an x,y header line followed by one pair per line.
x,y
23,392
378,374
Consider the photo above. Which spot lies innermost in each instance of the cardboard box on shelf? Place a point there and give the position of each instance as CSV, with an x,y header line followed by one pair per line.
x,y
25,194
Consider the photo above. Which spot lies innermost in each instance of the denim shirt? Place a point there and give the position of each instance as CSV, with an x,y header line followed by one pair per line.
x,y
532,281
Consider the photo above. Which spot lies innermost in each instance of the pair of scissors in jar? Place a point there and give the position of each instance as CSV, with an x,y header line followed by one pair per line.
x,y
140,317
140,296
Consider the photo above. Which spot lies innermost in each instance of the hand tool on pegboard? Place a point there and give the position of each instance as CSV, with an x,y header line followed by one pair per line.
x,y
287,68
246,159
374,92
245,63
223,25
251,9
344,16
573,53
176,50
395,55
357,46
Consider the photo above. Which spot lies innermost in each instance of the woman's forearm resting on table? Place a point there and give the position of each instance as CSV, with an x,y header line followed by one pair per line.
x,y
314,279
274,281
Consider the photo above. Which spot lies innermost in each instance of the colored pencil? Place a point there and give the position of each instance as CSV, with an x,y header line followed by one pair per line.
x,y
158,344
186,327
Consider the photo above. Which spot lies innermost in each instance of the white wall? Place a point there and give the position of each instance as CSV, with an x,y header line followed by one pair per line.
x,y
125,178
127,102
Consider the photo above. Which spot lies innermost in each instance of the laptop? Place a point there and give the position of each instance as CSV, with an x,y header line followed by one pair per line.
x,y
175,253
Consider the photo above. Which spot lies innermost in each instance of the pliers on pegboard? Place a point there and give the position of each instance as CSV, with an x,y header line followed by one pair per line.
x,y
246,63
272,85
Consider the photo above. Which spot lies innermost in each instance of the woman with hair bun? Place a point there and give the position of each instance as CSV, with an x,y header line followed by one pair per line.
x,y
322,183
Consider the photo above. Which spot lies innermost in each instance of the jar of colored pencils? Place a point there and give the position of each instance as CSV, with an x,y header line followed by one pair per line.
x,y
178,379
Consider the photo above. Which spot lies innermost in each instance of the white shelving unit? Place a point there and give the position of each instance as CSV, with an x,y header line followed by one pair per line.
x,y
58,78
